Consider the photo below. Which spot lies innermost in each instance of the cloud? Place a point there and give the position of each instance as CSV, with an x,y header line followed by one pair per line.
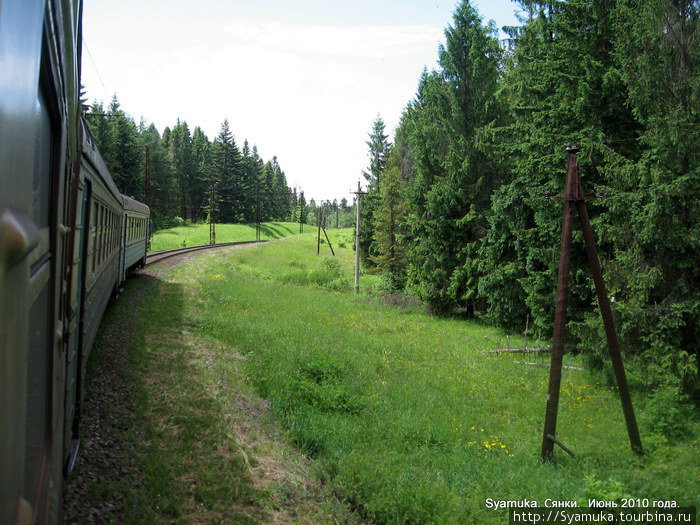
x,y
344,41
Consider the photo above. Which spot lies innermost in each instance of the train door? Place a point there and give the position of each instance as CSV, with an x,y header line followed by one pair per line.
x,y
30,292
38,441
75,338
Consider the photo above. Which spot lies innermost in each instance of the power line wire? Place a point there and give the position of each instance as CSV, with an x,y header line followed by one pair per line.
x,y
94,66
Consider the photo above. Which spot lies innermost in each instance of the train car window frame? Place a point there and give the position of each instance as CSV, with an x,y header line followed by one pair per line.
x,y
98,241
93,235
111,230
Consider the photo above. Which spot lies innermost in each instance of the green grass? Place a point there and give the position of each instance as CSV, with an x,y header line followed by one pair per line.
x,y
406,418
198,234
294,260
404,413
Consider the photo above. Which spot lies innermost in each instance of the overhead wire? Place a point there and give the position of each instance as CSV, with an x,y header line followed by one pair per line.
x,y
97,71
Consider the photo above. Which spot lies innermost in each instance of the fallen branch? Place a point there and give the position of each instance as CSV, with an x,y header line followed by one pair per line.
x,y
547,365
567,350
518,350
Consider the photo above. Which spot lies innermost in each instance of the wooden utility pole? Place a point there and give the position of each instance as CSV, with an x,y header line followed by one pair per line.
x,y
358,193
212,219
212,229
212,222
574,199
257,210
318,237
301,213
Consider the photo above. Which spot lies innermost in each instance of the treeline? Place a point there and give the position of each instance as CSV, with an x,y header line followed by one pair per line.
x,y
461,208
184,176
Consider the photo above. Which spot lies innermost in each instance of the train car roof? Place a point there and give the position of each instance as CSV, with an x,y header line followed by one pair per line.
x,y
134,205
91,152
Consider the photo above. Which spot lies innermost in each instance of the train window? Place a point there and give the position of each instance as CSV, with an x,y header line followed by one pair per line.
x,y
93,237
106,246
110,231
98,236
101,237
41,184
106,235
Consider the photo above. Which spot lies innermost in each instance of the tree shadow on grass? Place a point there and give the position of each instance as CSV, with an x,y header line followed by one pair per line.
x,y
272,230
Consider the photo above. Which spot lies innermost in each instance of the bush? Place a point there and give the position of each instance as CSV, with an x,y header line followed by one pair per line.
x,y
667,413
328,275
328,271
295,276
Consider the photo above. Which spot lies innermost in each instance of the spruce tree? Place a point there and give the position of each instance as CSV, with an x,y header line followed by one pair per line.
x,y
452,176
378,146
226,162
121,152
388,217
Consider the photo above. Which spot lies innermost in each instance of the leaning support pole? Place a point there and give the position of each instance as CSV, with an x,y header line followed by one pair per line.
x,y
329,242
610,334
550,422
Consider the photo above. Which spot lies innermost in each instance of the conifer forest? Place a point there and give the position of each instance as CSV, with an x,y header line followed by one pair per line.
x,y
185,177
462,206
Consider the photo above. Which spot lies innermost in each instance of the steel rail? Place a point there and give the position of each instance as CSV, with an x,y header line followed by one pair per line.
x,y
155,257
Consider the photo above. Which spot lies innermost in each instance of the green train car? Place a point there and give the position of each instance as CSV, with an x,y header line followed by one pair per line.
x,y
68,239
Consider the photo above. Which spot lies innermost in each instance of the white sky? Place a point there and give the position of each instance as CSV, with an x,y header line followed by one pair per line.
x,y
302,79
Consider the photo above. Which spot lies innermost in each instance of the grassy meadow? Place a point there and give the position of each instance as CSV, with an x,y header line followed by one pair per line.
x,y
404,416
198,234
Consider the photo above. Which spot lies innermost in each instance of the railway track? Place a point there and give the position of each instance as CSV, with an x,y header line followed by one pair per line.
x,y
159,256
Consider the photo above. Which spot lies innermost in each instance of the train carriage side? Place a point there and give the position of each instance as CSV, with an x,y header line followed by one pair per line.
x,y
102,246
135,231
96,258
